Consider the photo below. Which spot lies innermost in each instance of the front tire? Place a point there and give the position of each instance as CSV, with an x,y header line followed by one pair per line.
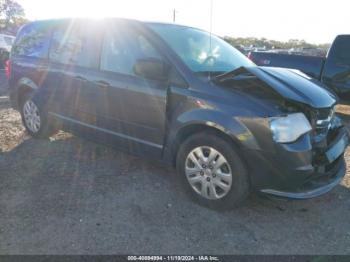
x,y
212,171
34,119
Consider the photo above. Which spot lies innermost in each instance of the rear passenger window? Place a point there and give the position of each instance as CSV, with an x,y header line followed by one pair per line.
x,y
74,47
33,41
121,49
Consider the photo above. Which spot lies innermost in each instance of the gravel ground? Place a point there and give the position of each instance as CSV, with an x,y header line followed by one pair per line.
x,y
69,196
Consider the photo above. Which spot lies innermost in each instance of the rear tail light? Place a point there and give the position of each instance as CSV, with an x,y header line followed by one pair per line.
x,y
8,68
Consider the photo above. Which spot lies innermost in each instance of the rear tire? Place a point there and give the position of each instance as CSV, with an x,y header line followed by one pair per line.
x,y
212,172
35,121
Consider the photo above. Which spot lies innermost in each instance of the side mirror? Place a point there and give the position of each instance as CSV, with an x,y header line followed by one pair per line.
x,y
152,68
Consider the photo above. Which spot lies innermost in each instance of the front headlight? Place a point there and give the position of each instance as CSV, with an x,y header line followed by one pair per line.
x,y
289,128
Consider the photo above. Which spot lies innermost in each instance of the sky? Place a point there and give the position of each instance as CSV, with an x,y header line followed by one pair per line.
x,y
316,21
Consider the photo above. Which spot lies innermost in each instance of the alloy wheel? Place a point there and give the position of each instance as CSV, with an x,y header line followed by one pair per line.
x,y
31,116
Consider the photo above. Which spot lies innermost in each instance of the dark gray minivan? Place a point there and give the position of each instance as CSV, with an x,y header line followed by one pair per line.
x,y
180,95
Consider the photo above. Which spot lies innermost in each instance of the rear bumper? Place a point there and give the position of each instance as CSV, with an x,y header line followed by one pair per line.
x,y
299,171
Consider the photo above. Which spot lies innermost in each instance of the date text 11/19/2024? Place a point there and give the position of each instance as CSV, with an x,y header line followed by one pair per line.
x,y
173,258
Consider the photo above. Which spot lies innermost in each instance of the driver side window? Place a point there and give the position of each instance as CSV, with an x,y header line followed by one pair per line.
x,y
122,48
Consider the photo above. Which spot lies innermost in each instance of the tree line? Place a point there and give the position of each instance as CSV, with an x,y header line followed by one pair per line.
x,y
272,44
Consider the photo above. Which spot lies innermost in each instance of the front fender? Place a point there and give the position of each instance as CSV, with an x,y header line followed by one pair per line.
x,y
218,120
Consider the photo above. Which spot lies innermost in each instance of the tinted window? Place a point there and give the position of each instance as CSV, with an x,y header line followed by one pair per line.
x,y
74,46
33,41
342,49
122,48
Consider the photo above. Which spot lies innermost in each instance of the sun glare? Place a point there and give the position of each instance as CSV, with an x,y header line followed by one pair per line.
x,y
230,18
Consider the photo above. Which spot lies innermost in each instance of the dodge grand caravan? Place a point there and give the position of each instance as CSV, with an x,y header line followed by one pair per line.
x,y
183,96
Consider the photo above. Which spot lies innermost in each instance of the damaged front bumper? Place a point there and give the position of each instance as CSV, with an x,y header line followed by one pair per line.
x,y
301,171
319,185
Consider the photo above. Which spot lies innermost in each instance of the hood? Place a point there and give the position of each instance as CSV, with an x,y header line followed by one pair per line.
x,y
294,85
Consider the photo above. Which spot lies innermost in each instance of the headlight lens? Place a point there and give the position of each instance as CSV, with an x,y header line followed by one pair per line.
x,y
289,128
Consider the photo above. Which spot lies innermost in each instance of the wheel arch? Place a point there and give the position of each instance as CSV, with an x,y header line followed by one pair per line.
x,y
226,127
24,86
189,130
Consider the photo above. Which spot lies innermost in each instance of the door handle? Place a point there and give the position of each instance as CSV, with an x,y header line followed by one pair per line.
x,y
102,84
80,78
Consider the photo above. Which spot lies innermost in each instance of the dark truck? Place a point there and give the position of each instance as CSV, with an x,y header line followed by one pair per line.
x,y
332,70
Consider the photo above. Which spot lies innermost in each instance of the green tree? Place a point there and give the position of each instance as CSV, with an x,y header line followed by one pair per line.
x,y
12,16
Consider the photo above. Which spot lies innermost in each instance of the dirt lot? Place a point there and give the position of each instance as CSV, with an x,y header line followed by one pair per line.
x,y
69,196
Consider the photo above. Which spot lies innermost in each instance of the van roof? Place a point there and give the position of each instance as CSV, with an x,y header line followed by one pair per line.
x,y
62,20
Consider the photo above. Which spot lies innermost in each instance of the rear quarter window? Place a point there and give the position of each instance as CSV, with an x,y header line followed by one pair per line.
x,y
75,46
32,41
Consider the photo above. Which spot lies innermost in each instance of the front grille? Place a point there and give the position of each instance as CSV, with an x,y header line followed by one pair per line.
x,y
322,123
324,113
324,118
326,128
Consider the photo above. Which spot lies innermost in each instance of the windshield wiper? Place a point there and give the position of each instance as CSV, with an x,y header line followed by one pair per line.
x,y
231,74
210,73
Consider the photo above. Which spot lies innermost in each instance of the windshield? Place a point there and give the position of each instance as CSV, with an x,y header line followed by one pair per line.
x,y
199,51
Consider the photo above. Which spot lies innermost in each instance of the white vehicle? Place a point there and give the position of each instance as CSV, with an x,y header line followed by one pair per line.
x,y
6,42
